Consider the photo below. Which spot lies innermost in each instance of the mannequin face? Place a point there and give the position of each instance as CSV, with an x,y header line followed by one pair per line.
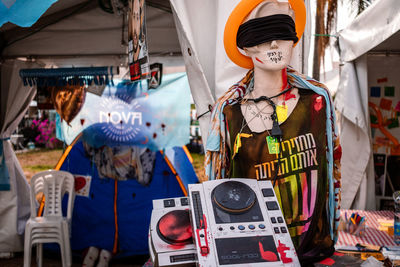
x,y
272,56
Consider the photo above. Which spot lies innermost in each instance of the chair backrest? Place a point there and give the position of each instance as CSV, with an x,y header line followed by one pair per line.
x,y
54,184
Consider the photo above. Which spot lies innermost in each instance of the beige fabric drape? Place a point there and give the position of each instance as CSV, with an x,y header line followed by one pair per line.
x,y
14,204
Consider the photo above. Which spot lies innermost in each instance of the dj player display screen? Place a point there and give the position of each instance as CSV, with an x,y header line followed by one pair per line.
x,y
246,250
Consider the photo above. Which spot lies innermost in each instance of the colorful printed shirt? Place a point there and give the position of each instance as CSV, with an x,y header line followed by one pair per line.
x,y
302,182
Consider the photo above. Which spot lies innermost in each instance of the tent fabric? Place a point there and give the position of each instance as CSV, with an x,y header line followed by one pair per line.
x,y
93,32
372,31
352,103
23,12
93,217
15,203
376,24
200,26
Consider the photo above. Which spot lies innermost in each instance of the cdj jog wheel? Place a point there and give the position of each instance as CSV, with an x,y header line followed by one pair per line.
x,y
234,197
174,227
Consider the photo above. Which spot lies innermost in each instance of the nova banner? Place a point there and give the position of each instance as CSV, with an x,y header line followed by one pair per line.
x,y
128,114
137,45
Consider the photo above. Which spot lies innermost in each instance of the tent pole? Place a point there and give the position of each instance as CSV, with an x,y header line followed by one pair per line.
x,y
66,152
188,154
70,56
175,173
384,53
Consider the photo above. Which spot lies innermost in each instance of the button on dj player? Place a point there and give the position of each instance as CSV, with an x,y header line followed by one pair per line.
x,y
232,227
262,226
272,205
276,230
241,227
283,230
169,203
204,250
184,201
251,227
273,220
220,228
280,220
267,192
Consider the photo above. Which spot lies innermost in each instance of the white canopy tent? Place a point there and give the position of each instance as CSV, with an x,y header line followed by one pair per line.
x,y
374,32
71,33
74,33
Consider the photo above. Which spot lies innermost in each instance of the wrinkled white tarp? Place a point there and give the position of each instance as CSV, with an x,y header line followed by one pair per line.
x,y
374,25
367,33
200,26
352,103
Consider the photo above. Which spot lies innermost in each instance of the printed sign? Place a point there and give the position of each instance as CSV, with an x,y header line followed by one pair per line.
x,y
375,91
137,45
125,115
385,104
389,91
156,74
82,185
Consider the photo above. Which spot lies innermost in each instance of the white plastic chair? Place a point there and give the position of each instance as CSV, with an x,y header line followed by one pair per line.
x,y
52,227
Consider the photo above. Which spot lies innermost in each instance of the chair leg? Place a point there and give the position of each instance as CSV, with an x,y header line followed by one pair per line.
x,y
67,243
27,247
63,254
68,252
39,254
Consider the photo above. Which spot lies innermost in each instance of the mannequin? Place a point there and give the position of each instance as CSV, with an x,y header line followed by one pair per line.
x,y
270,61
278,125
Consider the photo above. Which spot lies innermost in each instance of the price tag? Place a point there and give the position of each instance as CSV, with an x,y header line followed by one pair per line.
x,y
282,112
273,145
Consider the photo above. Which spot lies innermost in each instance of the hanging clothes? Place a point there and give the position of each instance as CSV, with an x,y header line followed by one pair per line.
x,y
123,162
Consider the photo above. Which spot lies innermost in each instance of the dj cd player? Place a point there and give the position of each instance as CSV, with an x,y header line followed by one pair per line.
x,y
170,236
238,222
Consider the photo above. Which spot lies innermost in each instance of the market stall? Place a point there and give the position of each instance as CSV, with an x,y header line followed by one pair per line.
x,y
69,34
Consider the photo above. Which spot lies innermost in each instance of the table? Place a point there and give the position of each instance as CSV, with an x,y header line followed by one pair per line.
x,y
371,236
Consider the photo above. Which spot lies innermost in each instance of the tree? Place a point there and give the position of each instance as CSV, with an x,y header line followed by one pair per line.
x,y
325,20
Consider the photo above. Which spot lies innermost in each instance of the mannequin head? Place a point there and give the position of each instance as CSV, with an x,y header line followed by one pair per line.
x,y
273,55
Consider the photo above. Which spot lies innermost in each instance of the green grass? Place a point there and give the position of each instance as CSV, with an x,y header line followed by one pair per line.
x,y
38,160
39,168
198,165
198,160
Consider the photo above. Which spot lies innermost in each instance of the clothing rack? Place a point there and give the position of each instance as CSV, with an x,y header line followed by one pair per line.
x,y
68,76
